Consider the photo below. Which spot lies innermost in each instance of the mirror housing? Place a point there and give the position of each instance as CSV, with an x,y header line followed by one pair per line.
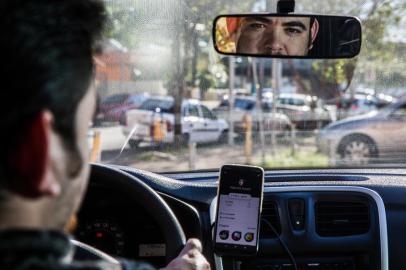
x,y
287,36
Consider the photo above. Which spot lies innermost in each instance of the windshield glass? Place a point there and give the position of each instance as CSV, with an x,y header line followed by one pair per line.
x,y
244,104
157,105
115,99
321,118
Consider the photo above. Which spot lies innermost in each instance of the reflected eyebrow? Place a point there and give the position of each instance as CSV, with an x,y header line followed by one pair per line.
x,y
295,24
261,19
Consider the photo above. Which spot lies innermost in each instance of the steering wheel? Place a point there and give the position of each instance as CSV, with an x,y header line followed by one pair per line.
x,y
141,194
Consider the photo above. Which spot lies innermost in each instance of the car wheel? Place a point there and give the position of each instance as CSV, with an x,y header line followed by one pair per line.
x,y
358,150
134,144
223,137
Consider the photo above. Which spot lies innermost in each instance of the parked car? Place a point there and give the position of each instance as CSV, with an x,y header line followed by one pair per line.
x,y
304,111
378,135
113,108
199,124
278,123
384,100
356,105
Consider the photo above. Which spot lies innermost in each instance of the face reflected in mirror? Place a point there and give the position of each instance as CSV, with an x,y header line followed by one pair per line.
x,y
266,35
302,36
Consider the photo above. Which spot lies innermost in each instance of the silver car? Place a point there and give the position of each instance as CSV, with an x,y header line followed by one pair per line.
x,y
378,135
303,111
278,123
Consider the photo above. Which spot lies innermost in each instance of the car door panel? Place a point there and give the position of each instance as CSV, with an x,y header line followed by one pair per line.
x,y
194,124
211,126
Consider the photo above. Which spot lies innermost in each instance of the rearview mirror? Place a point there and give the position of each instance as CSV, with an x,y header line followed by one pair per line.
x,y
287,36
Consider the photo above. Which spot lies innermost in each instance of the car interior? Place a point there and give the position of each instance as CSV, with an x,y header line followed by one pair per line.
x,y
348,218
332,218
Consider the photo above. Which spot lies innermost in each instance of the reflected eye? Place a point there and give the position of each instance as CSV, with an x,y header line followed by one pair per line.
x,y
291,30
256,26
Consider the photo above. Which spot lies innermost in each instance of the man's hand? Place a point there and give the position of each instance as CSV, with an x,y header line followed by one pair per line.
x,y
190,258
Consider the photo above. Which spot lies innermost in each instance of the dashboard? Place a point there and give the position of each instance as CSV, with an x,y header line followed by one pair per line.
x,y
121,229
111,222
350,219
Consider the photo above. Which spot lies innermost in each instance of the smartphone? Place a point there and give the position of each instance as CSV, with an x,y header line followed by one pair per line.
x,y
239,204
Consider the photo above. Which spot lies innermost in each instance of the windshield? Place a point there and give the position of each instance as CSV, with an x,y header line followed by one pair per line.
x,y
115,99
157,105
292,101
164,49
244,104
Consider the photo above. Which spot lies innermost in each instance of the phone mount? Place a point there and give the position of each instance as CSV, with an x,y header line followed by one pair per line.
x,y
286,6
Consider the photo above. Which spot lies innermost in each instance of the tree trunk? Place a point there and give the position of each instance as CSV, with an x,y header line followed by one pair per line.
x,y
298,78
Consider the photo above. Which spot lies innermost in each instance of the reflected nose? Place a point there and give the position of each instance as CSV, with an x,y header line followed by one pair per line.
x,y
273,44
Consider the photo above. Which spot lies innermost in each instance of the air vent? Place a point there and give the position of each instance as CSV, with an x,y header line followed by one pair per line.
x,y
342,218
270,213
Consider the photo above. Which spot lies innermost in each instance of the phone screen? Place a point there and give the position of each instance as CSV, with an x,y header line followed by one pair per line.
x,y
238,210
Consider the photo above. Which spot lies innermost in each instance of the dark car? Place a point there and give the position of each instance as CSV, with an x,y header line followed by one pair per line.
x,y
114,107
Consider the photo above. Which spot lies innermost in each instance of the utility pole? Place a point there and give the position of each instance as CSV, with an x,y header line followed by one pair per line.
x,y
276,81
177,80
231,79
260,117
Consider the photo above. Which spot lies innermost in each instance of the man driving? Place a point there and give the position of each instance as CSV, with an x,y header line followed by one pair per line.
x,y
48,102
266,35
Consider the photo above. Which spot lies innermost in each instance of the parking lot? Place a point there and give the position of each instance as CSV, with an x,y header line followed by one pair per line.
x,y
301,153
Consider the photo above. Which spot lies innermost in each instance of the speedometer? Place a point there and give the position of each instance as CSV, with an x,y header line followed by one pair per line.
x,y
104,235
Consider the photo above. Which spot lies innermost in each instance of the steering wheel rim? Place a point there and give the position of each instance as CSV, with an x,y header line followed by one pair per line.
x,y
126,183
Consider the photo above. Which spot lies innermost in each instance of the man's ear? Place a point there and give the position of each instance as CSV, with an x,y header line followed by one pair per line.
x,y
314,30
31,160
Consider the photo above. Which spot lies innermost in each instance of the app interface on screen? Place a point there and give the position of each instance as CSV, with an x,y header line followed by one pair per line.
x,y
238,209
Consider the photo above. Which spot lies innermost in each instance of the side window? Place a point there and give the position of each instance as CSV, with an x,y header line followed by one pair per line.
x,y
207,114
193,110
240,104
284,101
298,102
136,100
266,107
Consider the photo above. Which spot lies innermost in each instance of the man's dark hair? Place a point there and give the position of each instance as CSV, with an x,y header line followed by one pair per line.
x,y
46,49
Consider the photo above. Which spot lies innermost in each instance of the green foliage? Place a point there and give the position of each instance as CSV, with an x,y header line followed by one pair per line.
x,y
136,23
206,81
203,12
330,71
120,23
377,51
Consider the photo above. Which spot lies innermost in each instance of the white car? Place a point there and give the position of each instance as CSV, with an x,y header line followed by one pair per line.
x,y
199,124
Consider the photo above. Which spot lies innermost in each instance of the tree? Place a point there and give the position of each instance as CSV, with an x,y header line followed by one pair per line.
x,y
194,13
206,81
377,20
120,21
